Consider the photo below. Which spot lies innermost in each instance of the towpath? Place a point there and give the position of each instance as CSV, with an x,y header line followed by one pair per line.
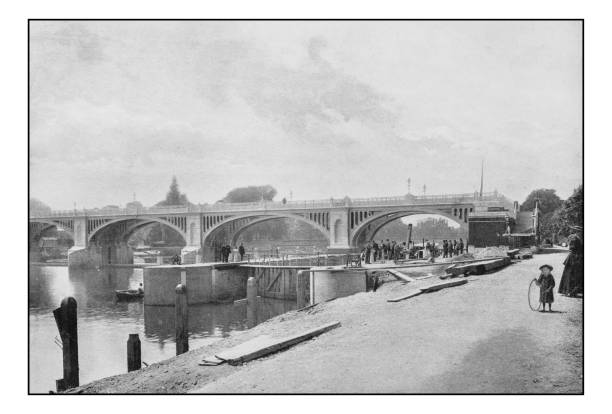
x,y
480,337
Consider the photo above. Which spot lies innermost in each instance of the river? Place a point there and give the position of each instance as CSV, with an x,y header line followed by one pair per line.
x,y
104,324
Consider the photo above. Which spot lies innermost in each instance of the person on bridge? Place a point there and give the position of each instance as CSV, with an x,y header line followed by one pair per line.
x,y
241,252
382,250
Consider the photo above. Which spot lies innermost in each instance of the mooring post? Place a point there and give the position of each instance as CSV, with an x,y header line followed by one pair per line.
x,y
302,287
66,320
251,291
251,302
60,385
181,320
133,353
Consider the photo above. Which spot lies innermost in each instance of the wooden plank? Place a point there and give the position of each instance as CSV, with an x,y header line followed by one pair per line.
x,y
410,294
273,281
211,361
441,285
264,345
512,253
478,267
400,275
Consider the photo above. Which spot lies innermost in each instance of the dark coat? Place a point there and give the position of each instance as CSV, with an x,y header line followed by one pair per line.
x,y
547,284
572,279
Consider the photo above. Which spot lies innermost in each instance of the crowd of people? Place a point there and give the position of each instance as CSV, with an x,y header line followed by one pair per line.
x,y
452,248
393,250
226,251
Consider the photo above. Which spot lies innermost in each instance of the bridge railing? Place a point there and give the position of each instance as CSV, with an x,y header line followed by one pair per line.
x,y
279,205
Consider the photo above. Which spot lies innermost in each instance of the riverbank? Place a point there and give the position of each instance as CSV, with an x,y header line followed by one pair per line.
x,y
480,337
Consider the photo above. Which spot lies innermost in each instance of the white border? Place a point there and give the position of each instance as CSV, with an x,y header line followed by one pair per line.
x,y
598,25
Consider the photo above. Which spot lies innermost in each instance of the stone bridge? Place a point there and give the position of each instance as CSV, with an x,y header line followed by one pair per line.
x,y
100,235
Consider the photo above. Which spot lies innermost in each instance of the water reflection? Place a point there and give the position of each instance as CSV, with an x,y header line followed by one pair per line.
x,y
104,324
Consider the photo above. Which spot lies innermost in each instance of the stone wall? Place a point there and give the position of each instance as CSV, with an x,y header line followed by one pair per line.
x,y
205,283
326,284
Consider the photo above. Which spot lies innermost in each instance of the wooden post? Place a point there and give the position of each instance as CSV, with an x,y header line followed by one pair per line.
x,y
133,353
303,288
66,320
252,302
60,385
181,320
251,291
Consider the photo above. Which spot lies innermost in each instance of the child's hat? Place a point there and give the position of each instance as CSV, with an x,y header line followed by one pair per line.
x,y
546,265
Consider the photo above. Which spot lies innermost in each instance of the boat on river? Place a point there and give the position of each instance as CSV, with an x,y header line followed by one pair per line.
x,y
129,294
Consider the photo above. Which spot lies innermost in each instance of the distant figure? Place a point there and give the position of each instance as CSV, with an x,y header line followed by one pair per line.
x,y
460,246
546,281
445,248
368,250
140,289
228,251
383,250
241,252
398,251
387,249
455,250
375,247
572,280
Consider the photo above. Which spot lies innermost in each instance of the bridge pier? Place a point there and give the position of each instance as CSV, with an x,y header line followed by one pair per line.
x,y
339,238
99,255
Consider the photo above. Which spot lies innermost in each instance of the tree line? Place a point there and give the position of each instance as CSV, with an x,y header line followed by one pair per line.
x,y
557,215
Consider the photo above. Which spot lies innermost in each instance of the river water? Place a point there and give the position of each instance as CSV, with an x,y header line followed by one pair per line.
x,y
104,324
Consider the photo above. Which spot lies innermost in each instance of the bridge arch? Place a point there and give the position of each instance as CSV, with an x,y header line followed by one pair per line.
x,y
131,225
256,218
377,221
39,226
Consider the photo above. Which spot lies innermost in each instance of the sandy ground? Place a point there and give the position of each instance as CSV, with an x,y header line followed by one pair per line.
x,y
476,338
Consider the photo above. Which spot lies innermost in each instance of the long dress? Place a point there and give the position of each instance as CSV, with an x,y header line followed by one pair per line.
x,y
546,283
572,279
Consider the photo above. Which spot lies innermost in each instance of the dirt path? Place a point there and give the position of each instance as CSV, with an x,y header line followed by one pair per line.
x,y
478,337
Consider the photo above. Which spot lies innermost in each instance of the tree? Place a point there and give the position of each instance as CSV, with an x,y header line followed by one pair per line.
x,y
572,212
250,194
549,200
38,207
174,197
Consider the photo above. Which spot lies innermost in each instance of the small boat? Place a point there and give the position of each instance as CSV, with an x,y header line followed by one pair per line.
x,y
130,294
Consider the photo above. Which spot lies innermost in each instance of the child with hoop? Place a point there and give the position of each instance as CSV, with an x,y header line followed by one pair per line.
x,y
546,282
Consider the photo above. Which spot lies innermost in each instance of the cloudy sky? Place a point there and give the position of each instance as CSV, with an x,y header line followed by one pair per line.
x,y
321,109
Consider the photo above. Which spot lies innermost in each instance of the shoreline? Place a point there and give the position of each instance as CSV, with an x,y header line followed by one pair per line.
x,y
478,337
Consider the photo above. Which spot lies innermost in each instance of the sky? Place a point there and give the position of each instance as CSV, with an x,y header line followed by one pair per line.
x,y
316,109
